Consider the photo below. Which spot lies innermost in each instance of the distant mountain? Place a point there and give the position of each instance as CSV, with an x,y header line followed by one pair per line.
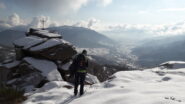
x,y
8,36
83,37
153,52
79,36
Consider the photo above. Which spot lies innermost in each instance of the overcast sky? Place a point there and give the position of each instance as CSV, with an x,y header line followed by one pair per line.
x,y
159,16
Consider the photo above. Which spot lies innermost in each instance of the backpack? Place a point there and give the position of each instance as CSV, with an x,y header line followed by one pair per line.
x,y
81,61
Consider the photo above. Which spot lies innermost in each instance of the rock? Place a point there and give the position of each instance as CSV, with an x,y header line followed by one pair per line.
x,y
53,48
28,42
59,51
91,79
32,72
43,57
43,33
24,75
100,71
3,75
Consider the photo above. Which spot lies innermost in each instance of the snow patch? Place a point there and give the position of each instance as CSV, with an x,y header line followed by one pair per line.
x,y
48,68
66,66
48,44
28,42
46,33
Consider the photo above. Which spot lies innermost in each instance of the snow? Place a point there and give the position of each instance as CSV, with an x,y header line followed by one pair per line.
x,y
12,64
95,51
175,64
52,93
48,68
150,86
66,66
91,78
48,44
28,42
46,33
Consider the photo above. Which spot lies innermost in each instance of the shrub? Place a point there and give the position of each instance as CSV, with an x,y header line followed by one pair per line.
x,y
9,95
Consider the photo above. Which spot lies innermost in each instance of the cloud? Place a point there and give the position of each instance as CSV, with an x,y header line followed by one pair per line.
x,y
143,12
90,23
13,20
55,6
37,22
145,30
61,7
172,10
2,5
105,2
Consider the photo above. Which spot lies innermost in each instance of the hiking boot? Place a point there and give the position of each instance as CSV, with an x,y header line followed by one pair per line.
x,y
81,94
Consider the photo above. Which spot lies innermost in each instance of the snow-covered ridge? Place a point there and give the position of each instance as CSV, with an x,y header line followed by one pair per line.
x,y
150,86
173,64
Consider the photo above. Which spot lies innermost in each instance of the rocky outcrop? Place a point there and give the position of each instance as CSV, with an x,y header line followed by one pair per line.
x,y
46,45
41,57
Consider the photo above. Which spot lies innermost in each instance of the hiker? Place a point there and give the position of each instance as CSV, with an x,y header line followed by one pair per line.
x,y
80,64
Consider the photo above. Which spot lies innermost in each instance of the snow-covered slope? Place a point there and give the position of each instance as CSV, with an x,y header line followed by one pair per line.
x,y
150,86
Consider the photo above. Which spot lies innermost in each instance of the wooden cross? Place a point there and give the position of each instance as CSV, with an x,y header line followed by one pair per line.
x,y
43,23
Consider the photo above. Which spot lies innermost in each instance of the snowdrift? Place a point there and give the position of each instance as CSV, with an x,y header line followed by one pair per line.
x,y
151,86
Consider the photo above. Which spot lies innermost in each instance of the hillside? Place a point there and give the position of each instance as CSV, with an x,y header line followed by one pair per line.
x,y
83,37
155,51
8,36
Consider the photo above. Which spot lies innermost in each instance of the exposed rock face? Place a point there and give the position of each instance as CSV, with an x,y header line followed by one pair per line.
x,y
100,71
3,75
31,72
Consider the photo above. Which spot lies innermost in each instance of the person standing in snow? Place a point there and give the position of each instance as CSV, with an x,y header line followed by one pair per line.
x,y
81,65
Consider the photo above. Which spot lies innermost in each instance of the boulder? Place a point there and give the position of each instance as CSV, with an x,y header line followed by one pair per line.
x,y
32,72
23,75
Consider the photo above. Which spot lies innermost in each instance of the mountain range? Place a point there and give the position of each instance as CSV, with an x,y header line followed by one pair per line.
x,y
79,36
155,51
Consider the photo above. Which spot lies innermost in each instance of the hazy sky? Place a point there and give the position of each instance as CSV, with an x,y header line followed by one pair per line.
x,y
108,11
150,15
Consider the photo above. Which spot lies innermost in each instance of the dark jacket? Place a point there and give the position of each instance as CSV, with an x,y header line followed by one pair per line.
x,y
75,66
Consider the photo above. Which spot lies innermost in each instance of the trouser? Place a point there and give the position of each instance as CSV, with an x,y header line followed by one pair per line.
x,y
79,79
